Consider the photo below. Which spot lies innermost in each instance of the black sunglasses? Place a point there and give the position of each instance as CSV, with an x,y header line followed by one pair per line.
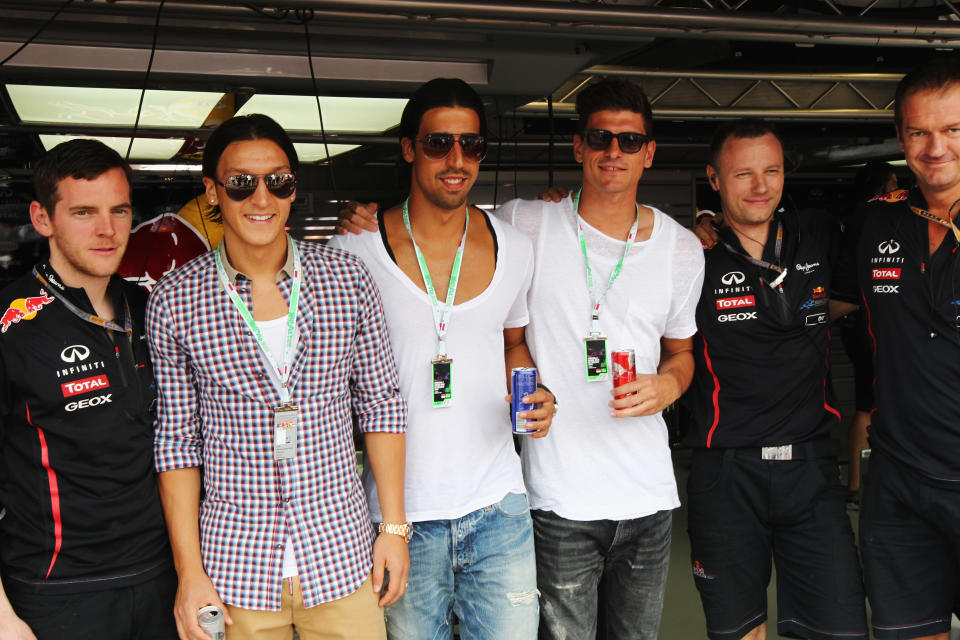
x,y
281,184
436,146
629,141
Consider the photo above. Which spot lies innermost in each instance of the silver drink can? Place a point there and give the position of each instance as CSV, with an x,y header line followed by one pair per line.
x,y
211,621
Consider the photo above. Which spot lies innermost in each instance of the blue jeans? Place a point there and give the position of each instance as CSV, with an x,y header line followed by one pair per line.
x,y
612,569
479,568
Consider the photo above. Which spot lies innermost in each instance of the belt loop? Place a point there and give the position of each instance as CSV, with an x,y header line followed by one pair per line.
x,y
728,454
810,450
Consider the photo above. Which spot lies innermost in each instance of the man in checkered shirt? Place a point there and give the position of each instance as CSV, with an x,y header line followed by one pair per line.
x,y
262,349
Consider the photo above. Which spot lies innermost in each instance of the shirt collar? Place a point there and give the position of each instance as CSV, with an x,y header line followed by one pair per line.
x,y
285,271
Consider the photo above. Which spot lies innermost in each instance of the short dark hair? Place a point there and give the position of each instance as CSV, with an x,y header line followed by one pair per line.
x,y
937,74
616,94
742,128
440,92
255,126
81,159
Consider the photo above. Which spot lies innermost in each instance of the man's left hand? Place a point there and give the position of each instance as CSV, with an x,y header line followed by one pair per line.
x,y
390,552
651,394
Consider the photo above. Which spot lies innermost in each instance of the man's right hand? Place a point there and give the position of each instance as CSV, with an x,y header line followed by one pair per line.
x,y
357,217
13,628
705,230
194,592
553,194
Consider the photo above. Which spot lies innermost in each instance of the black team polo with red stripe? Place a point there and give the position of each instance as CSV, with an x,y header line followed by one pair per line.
x,y
761,355
76,445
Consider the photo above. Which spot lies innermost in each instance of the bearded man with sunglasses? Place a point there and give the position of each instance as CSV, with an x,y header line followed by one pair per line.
x,y
764,482
455,283
262,350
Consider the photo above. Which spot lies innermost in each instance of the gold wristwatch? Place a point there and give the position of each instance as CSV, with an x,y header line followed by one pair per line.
x,y
404,530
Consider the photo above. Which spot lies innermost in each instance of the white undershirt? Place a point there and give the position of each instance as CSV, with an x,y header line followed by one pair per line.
x,y
275,335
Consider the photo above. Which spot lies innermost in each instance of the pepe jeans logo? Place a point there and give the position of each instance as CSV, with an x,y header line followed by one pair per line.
x,y
733,277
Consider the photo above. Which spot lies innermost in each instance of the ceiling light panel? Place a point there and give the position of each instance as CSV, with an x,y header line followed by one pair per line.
x,y
143,148
299,113
108,106
311,152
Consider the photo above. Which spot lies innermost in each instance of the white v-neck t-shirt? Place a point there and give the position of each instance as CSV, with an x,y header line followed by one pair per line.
x,y
460,458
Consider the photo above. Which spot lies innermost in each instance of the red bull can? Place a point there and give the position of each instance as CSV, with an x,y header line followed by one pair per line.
x,y
523,383
624,368
211,621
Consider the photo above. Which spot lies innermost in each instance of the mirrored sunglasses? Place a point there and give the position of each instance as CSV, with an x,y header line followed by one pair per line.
x,y
629,141
281,184
436,146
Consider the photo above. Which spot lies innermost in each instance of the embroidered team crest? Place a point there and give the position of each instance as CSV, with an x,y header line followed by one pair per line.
x,y
894,196
24,309
700,572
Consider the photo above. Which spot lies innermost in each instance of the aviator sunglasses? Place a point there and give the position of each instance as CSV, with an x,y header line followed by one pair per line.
x,y
629,141
437,146
281,184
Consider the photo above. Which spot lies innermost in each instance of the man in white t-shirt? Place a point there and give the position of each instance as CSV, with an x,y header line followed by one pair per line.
x,y
609,274
454,284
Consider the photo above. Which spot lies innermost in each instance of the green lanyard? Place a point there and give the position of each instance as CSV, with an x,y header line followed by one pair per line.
x,y
441,314
283,373
594,300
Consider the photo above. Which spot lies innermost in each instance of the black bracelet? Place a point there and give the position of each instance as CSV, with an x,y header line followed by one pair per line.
x,y
547,389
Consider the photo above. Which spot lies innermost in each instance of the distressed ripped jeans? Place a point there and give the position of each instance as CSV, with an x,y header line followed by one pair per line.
x,y
611,570
479,568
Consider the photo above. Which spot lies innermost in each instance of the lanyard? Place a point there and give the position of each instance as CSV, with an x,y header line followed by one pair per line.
x,y
283,373
763,264
90,317
923,213
441,314
594,300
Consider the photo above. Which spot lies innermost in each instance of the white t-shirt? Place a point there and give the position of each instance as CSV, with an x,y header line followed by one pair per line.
x,y
592,466
459,458
274,334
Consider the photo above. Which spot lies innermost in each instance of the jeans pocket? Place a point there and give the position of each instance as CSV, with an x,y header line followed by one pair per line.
x,y
514,505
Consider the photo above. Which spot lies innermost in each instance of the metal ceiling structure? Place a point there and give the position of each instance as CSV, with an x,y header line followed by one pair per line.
x,y
823,69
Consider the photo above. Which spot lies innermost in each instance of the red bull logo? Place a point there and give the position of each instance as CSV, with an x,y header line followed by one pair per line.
x,y
23,309
819,292
894,196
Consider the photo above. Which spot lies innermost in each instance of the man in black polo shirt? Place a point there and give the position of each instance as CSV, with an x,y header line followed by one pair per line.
x,y
764,480
908,264
83,546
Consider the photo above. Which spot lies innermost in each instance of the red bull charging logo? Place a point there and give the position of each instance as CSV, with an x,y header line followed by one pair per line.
x,y
23,309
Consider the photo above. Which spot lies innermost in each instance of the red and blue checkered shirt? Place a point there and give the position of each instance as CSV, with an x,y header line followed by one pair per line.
x,y
215,410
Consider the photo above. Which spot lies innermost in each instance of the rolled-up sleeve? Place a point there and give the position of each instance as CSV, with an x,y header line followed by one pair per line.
x,y
374,382
177,440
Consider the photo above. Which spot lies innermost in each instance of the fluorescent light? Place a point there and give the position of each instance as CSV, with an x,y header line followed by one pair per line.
x,y
193,168
220,65
143,148
116,107
312,152
299,113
